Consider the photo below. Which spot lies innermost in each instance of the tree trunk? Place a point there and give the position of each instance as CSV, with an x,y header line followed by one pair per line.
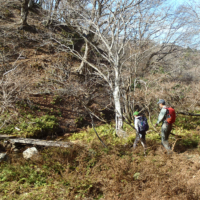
x,y
40,142
24,12
50,14
85,57
116,96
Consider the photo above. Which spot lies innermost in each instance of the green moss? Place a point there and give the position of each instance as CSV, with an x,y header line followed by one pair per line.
x,y
30,126
106,133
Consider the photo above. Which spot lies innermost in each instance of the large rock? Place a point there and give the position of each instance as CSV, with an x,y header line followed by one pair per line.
x,y
30,152
3,157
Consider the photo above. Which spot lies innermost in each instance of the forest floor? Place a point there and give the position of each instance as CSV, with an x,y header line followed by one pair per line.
x,y
91,171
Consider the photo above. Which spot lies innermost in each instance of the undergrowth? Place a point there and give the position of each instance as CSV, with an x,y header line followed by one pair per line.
x,y
98,173
29,125
189,137
91,171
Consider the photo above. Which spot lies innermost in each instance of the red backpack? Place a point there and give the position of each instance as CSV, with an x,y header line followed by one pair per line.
x,y
171,115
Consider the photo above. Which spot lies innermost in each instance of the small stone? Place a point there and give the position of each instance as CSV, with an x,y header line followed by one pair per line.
x,y
17,129
30,152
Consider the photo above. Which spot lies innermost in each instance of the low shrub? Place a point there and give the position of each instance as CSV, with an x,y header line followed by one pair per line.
x,y
30,126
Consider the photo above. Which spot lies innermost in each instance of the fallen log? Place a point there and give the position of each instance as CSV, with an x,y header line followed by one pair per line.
x,y
3,137
40,142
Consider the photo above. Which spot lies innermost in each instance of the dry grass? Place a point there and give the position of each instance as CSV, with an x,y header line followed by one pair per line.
x,y
97,173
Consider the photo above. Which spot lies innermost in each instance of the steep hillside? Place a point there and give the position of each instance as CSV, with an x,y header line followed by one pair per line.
x,y
40,79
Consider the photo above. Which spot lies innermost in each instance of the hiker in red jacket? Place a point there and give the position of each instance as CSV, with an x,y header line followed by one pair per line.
x,y
167,117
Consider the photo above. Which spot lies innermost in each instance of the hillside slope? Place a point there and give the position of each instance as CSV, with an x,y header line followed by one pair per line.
x,y
43,79
42,96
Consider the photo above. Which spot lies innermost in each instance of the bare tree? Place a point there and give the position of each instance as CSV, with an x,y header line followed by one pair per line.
x,y
115,27
112,30
190,12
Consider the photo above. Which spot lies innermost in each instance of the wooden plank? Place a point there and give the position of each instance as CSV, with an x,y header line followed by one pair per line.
x,y
40,142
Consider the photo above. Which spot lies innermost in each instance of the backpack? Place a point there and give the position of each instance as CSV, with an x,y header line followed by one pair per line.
x,y
143,124
171,115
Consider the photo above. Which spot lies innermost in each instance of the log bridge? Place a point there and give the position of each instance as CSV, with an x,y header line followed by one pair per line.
x,y
37,142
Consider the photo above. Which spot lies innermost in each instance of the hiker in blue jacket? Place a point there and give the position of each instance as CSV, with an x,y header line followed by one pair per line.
x,y
140,130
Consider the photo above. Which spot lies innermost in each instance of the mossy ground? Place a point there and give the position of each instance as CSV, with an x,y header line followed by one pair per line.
x,y
29,125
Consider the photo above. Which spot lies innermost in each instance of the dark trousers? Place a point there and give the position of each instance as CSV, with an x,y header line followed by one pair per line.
x,y
140,137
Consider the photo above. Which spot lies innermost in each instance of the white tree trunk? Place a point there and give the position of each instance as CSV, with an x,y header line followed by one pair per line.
x,y
116,96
